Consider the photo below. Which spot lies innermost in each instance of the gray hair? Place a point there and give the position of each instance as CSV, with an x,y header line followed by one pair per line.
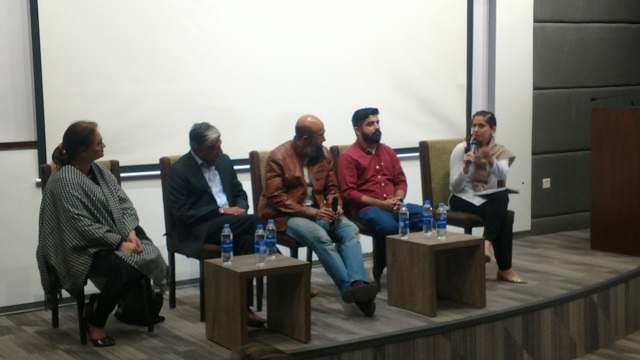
x,y
203,135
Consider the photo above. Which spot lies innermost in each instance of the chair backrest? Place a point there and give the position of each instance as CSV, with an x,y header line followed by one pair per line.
x,y
169,221
46,170
434,168
336,150
257,163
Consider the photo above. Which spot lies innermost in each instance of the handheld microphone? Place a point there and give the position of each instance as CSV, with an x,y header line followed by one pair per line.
x,y
334,207
474,146
474,149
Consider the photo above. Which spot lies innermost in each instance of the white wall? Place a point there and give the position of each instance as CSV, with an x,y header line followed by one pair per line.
x,y
20,280
172,63
17,118
513,86
481,41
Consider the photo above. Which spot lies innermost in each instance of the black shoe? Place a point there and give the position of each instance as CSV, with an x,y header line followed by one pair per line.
x,y
104,342
367,307
360,292
88,311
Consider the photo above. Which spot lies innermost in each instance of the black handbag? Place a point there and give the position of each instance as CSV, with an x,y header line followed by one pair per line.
x,y
131,308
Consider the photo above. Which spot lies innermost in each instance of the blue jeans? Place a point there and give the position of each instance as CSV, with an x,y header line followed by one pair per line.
x,y
385,223
344,266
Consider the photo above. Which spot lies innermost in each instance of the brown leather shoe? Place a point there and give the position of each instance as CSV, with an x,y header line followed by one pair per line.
x,y
254,319
313,292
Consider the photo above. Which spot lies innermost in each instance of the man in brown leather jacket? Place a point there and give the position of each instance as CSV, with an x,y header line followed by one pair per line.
x,y
300,188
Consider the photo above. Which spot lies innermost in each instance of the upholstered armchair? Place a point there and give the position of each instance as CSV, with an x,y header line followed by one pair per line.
x,y
434,171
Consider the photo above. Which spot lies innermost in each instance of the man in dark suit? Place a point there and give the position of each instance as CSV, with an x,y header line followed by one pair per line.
x,y
204,194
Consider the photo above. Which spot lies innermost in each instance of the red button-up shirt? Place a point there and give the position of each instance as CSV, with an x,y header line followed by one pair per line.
x,y
377,175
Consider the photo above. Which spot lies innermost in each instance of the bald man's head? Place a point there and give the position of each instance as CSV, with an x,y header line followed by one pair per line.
x,y
309,125
309,137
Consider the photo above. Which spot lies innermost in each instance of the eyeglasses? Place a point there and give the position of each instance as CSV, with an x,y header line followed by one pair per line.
x,y
318,136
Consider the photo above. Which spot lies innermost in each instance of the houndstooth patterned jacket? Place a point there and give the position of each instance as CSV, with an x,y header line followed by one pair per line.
x,y
78,218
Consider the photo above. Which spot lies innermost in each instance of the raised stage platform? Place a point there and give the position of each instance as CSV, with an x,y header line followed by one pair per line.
x,y
576,301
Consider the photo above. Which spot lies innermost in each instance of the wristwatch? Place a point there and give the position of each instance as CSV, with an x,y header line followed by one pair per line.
x,y
221,210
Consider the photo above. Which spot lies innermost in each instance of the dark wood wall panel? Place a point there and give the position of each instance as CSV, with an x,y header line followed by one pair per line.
x,y
546,225
582,49
585,55
570,184
624,11
562,117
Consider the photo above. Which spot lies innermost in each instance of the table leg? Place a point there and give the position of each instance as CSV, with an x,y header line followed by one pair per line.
x,y
461,275
226,302
288,304
411,277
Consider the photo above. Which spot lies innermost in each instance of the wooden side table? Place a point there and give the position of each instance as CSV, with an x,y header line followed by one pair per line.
x,y
288,298
420,269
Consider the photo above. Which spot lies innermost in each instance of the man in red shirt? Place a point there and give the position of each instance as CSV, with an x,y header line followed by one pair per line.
x,y
372,181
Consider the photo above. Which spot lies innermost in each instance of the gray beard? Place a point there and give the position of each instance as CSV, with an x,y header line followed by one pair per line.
x,y
314,154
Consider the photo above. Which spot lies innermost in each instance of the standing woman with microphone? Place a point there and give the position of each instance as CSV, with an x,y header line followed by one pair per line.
x,y
476,166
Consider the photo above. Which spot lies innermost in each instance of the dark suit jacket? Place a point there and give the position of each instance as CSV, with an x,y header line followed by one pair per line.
x,y
192,203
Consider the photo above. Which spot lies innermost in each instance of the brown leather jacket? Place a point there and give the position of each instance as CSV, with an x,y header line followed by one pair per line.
x,y
285,187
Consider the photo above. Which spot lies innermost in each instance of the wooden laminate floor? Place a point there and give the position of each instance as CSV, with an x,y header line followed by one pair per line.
x,y
554,265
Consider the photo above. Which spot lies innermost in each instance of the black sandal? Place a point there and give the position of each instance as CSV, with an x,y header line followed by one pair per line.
x,y
104,342
88,311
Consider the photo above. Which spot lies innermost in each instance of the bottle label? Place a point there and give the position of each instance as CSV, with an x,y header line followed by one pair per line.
x,y
227,246
427,220
259,247
404,222
271,241
442,222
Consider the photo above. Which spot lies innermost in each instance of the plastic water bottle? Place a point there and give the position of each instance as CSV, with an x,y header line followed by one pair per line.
x,y
403,221
226,239
259,249
441,221
271,240
427,218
